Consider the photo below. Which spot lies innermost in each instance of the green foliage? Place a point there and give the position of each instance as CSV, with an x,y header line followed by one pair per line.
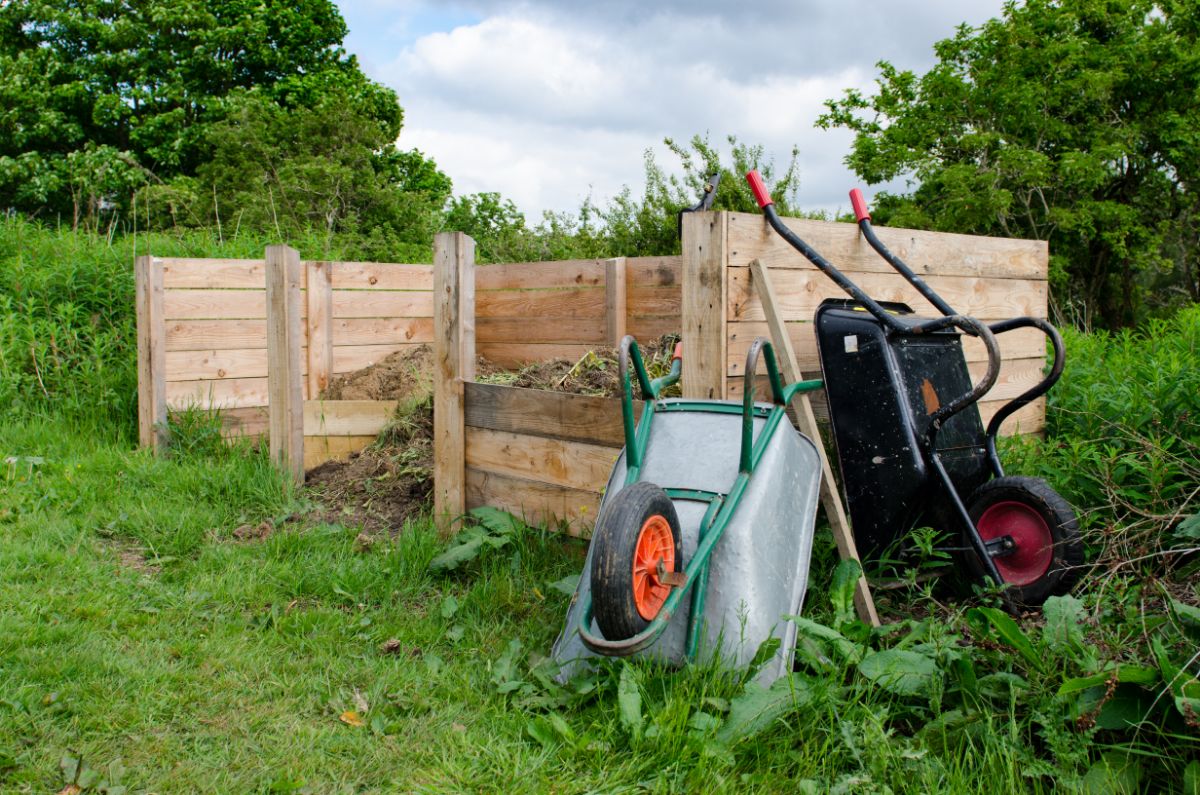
x,y
131,88
1071,121
1123,438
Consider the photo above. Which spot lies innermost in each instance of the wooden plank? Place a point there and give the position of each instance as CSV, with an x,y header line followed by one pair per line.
x,y
151,344
319,449
285,381
382,331
347,417
209,274
538,504
199,335
382,303
615,300
703,307
216,364
656,300
540,275
536,329
555,415
454,363
380,276
514,355
1017,344
226,393
250,422
800,292
831,500
318,295
560,462
648,328
214,304
655,271
927,253
569,303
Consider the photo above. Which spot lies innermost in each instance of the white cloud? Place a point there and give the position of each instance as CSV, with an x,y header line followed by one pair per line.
x,y
548,102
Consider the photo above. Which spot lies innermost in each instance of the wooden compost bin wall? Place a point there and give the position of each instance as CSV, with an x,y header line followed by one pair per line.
x,y
202,326
987,278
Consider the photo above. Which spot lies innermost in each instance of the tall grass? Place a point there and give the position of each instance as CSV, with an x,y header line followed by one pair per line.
x,y
68,343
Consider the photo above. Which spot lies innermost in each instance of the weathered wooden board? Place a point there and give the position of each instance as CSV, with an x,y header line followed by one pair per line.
x,y
215,304
704,304
217,364
536,502
382,303
199,335
382,331
539,275
1017,344
800,292
541,330
927,253
347,417
226,393
568,303
381,276
537,412
319,449
560,462
223,274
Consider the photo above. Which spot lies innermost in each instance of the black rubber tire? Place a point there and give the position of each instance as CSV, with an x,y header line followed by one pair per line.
x,y
614,542
1066,564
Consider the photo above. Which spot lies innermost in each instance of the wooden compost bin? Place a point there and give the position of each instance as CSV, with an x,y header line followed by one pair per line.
x,y
259,338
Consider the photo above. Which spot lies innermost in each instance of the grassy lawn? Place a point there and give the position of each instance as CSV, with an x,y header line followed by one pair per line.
x,y
152,627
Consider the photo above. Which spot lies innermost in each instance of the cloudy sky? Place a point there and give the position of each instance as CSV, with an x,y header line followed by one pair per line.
x,y
548,102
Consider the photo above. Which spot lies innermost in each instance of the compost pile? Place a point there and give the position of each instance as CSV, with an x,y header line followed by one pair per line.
x,y
391,480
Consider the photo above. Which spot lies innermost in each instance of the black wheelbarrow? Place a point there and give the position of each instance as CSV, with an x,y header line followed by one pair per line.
x,y
912,448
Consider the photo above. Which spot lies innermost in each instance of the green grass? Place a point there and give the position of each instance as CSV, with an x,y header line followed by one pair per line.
x,y
139,633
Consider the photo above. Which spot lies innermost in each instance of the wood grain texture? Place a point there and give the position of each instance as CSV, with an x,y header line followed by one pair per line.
x,y
800,292
226,274
381,304
568,303
615,300
927,253
454,364
703,304
831,500
218,364
380,276
214,304
540,275
347,417
318,329
1018,344
535,502
151,345
252,422
382,331
285,380
559,462
536,412
225,393
541,330
655,271
200,335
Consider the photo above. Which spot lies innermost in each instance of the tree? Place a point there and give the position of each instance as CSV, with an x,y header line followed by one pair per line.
x,y
138,84
1071,121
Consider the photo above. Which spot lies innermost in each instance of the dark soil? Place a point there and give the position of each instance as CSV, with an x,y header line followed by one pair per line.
x,y
391,481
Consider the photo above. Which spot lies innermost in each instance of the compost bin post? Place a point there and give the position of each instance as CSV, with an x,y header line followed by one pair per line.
x,y
615,300
318,294
705,292
152,361
830,500
285,385
454,364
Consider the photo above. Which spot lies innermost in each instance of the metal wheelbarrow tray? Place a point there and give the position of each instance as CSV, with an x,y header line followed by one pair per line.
x,y
744,485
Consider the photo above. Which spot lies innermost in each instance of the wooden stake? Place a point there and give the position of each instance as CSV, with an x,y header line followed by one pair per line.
x,y
319,298
285,384
830,499
705,256
454,363
152,361
615,312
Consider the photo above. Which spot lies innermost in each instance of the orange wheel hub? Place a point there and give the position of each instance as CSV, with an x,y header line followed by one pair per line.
x,y
654,543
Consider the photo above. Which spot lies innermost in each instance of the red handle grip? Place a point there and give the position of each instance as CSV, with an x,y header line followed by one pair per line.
x,y
860,206
759,188
678,354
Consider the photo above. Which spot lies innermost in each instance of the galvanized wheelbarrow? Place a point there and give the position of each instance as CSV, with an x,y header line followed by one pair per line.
x,y
715,498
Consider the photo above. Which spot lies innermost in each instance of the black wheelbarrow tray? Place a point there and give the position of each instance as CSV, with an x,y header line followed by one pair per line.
x,y
710,500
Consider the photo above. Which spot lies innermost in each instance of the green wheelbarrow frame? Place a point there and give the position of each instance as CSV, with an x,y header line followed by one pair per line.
x,y
721,507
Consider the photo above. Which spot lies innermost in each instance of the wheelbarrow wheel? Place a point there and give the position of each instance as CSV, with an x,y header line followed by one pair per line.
x,y
638,529
1048,555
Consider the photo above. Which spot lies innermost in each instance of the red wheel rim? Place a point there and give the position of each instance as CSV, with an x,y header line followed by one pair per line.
x,y
1034,543
654,543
